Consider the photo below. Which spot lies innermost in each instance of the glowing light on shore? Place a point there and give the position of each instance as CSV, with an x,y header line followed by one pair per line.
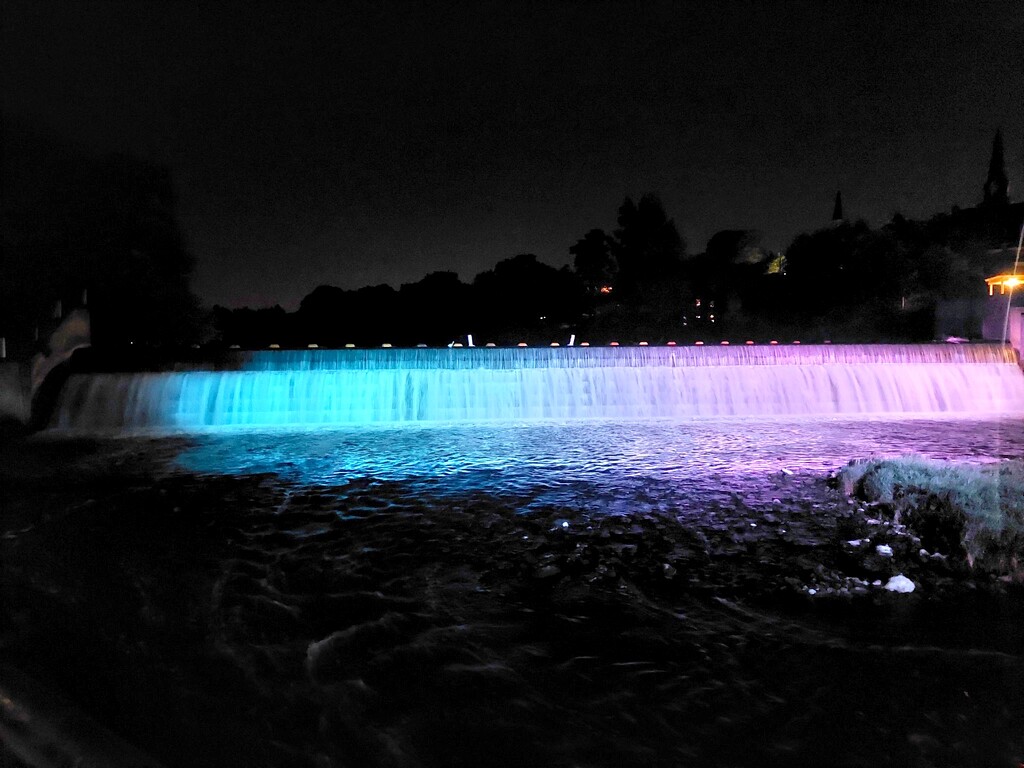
x,y
1006,283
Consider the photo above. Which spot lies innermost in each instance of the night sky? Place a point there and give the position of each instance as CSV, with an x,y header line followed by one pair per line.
x,y
357,143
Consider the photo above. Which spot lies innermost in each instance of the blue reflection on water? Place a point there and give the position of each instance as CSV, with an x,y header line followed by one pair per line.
x,y
669,460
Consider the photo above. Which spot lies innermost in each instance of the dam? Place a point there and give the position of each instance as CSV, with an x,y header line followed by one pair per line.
x,y
465,385
580,548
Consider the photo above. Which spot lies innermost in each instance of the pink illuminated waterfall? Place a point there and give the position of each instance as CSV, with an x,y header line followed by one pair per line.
x,y
339,387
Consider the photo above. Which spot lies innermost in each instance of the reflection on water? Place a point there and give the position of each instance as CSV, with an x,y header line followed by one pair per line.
x,y
671,455
582,594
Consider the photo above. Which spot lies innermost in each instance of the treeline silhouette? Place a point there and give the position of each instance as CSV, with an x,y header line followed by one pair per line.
x,y
74,222
80,228
845,281
520,298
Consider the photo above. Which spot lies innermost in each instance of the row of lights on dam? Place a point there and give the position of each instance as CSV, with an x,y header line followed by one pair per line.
x,y
489,344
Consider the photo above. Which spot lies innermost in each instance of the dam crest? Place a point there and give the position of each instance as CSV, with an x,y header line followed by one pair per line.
x,y
387,386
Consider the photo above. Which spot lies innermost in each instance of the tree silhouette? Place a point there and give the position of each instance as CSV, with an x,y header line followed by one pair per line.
x,y
830,268
435,310
331,316
522,295
647,246
728,272
136,267
593,261
74,222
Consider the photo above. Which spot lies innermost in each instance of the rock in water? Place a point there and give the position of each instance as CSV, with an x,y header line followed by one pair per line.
x,y
899,583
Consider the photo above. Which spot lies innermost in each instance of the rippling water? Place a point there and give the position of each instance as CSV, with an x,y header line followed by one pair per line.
x,y
669,458
578,594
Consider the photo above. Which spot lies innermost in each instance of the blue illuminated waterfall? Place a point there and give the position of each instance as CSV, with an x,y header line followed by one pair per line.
x,y
339,387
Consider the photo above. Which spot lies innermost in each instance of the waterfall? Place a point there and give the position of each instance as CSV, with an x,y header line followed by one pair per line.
x,y
339,387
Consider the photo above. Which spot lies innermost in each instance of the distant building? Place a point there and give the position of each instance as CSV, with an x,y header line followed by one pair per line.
x,y
997,185
837,209
990,233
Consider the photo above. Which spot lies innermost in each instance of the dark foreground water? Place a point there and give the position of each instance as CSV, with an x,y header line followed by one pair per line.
x,y
590,594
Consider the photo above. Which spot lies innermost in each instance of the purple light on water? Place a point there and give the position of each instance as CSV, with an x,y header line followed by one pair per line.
x,y
396,386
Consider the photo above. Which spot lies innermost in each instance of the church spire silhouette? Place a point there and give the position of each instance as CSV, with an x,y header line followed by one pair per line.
x,y
837,210
996,185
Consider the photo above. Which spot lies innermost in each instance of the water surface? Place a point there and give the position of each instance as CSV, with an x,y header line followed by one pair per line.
x,y
586,593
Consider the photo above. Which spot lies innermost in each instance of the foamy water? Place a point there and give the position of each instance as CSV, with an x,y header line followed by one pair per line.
x,y
354,387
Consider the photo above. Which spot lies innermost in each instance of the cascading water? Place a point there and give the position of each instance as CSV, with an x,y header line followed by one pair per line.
x,y
337,387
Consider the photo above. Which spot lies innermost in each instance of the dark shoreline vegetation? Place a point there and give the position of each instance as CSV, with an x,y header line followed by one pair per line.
x,y
245,621
969,515
104,230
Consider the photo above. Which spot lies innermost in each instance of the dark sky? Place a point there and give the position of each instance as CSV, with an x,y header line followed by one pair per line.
x,y
352,143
